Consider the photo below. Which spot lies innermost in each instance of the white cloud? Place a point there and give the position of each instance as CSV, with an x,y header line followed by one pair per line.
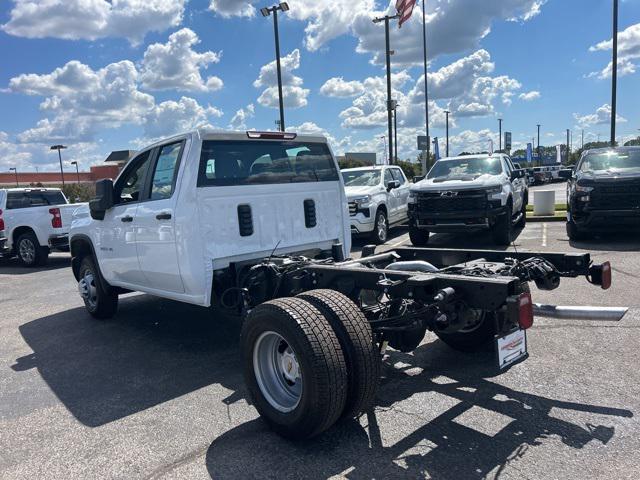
x,y
453,26
338,87
172,117
529,96
239,120
628,51
600,117
232,8
174,65
294,95
92,19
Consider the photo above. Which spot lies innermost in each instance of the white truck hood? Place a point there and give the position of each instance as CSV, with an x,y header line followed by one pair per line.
x,y
459,183
354,192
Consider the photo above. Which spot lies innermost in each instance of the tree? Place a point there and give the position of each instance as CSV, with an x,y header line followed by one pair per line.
x,y
633,143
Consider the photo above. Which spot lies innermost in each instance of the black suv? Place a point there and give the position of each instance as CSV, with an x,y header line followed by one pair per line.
x,y
603,192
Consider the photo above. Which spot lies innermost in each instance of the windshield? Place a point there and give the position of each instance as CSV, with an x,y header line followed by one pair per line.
x,y
466,167
246,162
361,178
611,161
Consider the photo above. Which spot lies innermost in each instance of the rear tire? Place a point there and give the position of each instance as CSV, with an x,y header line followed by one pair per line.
x,y
29,251
419,238
99,302
294,367
380,228
356,340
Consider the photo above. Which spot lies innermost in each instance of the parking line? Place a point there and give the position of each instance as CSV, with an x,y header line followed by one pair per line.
x,y
544,234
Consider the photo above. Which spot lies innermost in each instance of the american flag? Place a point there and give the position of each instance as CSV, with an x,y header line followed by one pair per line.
x,y
404,9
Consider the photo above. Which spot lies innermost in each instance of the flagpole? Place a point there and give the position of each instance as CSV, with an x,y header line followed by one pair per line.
x,y
426,94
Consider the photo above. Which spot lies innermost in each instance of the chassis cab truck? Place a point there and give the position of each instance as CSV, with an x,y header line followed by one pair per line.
x,y
256,224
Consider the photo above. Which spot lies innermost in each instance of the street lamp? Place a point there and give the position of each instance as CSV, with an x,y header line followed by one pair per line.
x,y
500,133
77,171
58,148
15,170
447,112
266,11
614,73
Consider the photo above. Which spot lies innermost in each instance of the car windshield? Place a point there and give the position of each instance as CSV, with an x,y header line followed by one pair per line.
x,y
614,161
246,162
466,167
361,178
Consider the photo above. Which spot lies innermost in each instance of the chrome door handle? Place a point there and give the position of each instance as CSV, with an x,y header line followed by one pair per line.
x,y
164,216
127,218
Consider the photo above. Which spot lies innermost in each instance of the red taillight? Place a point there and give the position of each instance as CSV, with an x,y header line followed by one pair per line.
x,y
56,220
525,311
1,221
606,276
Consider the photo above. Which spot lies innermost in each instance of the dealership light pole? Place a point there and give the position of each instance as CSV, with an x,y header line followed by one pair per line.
x,y
58,148
568,147
77,171
426,94
500,133
266,11
395,131
387,48
447,112
384,141
614,73
15,170
539,157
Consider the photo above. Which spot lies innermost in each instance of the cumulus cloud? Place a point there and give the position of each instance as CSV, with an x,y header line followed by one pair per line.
x,y
338,87
92,19
239,120
232,8
529,96
628,52
172,117
294,95
175,65
601,116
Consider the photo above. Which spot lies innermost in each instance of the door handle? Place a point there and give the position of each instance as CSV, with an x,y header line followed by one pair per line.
x,y
164,216
127,218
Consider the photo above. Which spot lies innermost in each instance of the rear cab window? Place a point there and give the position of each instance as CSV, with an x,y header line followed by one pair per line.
x,y
252,162
34,198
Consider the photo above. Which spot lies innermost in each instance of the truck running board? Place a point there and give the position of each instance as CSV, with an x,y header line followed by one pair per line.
x,y
608,314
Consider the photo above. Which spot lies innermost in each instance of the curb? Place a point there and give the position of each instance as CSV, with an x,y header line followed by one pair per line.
x,y
547,219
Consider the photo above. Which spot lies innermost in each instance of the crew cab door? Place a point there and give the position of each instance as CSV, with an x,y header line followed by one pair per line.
x,y
392,196
117,251
155,222
518,185
402,193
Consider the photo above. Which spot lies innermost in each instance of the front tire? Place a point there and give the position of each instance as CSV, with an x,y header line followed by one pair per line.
x,y
99,302
574,233
356,340
419,238
380,228
294,367
502,230
29,251
523,219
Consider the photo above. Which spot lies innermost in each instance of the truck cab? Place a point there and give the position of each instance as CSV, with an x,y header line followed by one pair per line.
x,y
186,208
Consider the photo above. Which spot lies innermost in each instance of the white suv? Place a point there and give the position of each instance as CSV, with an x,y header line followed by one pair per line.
x,y
378,198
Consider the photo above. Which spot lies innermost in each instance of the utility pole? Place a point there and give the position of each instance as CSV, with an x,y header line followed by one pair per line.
x,y
386,19
614,73
447,112
58,148
539,157
395,132
426,95
15,170
500,133
384,140
77,171
266,11
568,148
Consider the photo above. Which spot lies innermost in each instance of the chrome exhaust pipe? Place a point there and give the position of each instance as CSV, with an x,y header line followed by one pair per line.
x,y
605,314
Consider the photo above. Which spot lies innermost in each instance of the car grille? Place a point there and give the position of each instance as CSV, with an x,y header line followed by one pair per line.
x,y
618,196
466,200
352,209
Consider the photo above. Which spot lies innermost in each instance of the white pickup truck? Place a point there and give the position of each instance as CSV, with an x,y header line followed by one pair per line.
x,y
33,222
255,224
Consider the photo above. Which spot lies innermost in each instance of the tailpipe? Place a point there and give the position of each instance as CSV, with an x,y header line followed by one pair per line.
x,y
605,314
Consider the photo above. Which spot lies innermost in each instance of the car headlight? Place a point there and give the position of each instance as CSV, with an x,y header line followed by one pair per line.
x,y
362,202
413,196
493,191
583,189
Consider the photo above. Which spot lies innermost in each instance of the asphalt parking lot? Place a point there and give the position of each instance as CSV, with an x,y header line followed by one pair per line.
x,y
158,392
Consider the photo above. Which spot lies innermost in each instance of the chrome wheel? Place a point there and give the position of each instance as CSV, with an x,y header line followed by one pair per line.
x,y
382,227
27,251
88,290
277,372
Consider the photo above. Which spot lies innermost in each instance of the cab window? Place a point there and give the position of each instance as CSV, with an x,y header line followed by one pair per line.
x,y
398,176
130,186
166,169
388,177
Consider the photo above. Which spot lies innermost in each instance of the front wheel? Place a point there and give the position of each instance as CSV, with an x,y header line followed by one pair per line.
x,y
574,233
502,231
419,238
99,302
380,228
294,367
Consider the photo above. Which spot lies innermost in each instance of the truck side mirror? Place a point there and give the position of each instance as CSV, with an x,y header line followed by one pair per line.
x,y
418,178
392,184
103,200
566,173
517,174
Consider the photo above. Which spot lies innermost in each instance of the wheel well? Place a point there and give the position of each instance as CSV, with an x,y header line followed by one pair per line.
x,y
80,248
382,207
17,232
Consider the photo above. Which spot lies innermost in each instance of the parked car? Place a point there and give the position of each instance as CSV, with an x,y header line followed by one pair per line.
x,y
469,192
377,197
540,176
603,192
33,222
255,225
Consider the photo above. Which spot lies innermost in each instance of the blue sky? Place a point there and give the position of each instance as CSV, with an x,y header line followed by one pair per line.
x,y
102,75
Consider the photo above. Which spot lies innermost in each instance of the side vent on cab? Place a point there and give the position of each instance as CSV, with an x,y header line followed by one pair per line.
x,y
309,213
245,220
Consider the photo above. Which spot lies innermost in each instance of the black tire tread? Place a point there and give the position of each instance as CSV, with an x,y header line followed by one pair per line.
x,y
107,305
419,238
356,339
42,253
